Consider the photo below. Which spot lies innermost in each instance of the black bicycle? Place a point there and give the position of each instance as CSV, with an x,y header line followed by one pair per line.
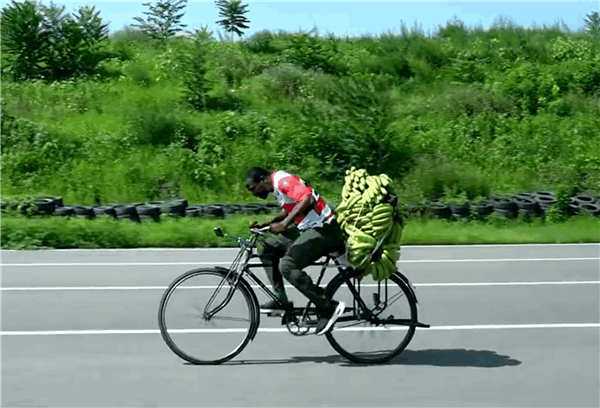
x,y
209,315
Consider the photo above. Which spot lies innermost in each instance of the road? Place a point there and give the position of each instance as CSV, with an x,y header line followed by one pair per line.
x,y
510,326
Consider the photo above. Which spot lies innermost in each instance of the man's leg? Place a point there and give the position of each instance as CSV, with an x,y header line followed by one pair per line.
x,y
270,251
311,245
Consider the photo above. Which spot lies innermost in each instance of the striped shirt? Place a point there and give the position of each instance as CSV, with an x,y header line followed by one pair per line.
x,y
291,190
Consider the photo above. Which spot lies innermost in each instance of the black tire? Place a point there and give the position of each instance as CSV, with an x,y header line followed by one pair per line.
x,y
64,211
548,194
331,290
460,210
148,210
58,201
573,207
484,209
233,209
177,208
193,212
440,210
44,205
526,196
253,209
545,201
81,210
221,274
506,204
593,209
214,211
526,204
582,199
105,211
121,210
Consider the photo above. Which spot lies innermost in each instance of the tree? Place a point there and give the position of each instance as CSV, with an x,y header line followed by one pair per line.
x,y
41,42
163,21
232,12
592,24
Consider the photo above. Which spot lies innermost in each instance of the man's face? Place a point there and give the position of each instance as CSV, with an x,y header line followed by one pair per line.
x,y
258,189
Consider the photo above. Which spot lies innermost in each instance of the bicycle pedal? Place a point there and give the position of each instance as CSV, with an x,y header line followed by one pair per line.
x,y
274,314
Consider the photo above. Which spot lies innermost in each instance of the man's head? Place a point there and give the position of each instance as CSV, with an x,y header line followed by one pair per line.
x,y
258,182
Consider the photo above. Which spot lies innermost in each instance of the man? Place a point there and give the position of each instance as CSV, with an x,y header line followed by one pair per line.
x,y
307,230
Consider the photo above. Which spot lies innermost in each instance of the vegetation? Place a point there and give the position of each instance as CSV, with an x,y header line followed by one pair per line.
x,y
39,42
60,232
232,12
467,110
163,21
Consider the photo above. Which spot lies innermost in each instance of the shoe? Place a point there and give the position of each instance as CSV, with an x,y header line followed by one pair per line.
x,y
273,306
325,323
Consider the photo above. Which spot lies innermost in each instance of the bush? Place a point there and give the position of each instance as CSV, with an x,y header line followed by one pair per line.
x,y
312,53
42,43
153,127
262,42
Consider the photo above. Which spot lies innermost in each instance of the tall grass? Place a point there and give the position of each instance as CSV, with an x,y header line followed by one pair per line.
x,y
475,111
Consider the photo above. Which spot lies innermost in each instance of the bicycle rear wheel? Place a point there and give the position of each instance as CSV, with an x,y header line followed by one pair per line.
x,y
366,340
204,319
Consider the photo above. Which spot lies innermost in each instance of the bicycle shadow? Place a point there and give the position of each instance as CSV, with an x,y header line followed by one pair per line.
x,y
432,357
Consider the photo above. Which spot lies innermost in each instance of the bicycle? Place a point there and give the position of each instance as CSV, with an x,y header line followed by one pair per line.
x,y
235,302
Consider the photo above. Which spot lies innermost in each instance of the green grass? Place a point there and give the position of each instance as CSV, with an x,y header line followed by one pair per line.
x,y
50,232
506,110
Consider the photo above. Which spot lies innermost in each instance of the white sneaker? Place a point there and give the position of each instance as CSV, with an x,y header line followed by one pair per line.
x,y
336,313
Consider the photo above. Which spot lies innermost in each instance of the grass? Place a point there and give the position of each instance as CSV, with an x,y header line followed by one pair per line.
x,y
18,232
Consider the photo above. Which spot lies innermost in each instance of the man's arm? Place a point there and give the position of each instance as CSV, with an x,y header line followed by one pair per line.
x,y
277,218
300,208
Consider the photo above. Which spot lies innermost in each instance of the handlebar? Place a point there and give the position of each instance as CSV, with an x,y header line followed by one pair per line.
x,y
241,241
260,230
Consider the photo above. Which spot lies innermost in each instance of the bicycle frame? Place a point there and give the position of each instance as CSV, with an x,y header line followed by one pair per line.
x,y
241,266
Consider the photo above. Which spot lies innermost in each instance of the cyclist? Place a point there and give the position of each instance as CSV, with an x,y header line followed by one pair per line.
x,y
307,230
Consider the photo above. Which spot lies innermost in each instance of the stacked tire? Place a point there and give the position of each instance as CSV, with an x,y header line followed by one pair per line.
x,y
518,205
584,203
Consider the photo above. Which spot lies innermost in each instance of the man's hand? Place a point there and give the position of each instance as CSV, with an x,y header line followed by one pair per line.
x,y
255,224
278,228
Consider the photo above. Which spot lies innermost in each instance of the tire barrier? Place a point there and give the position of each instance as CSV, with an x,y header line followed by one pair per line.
x,y
521,204
593,209
440,210
460,211
105,211
506,207
484,208
527,206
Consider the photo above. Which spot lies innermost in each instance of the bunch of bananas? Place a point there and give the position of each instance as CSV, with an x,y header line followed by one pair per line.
x,y
372,224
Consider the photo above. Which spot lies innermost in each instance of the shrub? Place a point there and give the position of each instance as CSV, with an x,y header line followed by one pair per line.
x,y
261,42
43,43
153,127
312,53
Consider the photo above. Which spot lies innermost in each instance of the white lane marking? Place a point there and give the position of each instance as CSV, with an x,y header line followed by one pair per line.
x,y
236,248
283,330
73,288
229,262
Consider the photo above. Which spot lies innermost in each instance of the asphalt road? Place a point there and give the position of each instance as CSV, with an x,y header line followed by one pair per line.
x,y
511,326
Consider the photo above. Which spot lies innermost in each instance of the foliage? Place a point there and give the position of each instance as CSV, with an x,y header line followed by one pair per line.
x,y
592,24
462,113
163,22
234,19
43,43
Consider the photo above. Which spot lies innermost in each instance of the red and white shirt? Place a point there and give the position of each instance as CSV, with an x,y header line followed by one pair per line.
x,y
291,190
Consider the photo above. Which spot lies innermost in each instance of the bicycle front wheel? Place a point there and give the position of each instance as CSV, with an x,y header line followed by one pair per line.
x,y
204,319
379,330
